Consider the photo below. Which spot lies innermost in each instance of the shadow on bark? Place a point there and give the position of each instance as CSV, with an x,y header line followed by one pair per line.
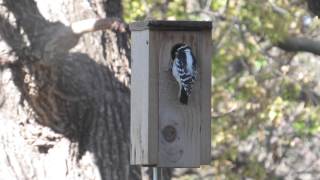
x,y
69,92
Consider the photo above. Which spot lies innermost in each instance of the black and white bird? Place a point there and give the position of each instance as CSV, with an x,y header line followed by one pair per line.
x,y
184,70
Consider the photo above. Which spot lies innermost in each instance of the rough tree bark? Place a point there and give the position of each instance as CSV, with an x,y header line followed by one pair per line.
x,y
64,97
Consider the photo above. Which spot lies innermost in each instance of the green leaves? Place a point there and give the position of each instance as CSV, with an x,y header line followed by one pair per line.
x,y
256,88
157,9
260,63
308,122
217,5
134,10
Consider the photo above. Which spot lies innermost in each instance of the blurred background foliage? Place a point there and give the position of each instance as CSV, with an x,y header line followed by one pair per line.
x,y
265,100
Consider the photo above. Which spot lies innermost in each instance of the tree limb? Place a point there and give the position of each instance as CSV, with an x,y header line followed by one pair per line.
x,y
294,44
91,25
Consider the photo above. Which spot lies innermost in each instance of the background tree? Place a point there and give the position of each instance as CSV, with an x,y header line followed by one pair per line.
x,y
64,94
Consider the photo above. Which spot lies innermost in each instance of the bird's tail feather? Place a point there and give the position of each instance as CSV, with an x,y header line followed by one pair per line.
x,y
183,96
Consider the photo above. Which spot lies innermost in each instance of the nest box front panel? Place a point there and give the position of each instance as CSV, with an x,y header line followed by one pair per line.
x,y
184,130
144,105
164,132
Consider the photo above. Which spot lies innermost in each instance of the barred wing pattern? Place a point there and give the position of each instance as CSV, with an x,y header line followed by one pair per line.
x,y
187,77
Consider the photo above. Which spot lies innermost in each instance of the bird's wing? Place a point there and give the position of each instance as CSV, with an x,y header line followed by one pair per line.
x,y
185,76
194,66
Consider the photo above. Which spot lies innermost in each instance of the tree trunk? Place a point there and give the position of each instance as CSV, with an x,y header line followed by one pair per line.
x,y
64,96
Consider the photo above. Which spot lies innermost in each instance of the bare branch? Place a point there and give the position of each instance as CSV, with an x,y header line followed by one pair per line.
x,y
277,9
91,25
294,44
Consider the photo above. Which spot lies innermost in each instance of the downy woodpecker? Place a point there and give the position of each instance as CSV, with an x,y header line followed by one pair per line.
x,y
184,70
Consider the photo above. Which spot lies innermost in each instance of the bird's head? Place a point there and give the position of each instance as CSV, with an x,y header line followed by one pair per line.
x,y
176,48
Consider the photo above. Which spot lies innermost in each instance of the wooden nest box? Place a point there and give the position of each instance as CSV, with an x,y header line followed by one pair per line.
x,y
164,132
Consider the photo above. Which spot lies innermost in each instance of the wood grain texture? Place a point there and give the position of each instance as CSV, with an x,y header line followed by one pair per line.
x,y
171,25
204,55
164,132
183,122
144,122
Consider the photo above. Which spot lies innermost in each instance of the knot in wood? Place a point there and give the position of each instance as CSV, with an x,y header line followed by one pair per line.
x,y
169,133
